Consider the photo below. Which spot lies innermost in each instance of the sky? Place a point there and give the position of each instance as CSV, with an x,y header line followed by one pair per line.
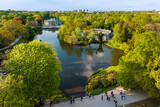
x,y
69,5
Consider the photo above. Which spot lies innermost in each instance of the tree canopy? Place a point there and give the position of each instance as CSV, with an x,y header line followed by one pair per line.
x,y
140,68
37,64
16,28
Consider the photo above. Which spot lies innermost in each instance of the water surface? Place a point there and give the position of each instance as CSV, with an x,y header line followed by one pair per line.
x,y
79,62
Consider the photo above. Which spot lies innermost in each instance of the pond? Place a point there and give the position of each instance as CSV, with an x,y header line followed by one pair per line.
x,y
79,62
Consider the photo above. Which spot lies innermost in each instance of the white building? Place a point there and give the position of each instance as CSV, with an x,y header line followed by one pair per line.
x,y
52,22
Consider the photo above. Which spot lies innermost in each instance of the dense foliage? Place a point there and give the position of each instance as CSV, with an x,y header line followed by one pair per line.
x,y
31,70
137,33
127,29
12,29
83,23
101,79
139,69
24,24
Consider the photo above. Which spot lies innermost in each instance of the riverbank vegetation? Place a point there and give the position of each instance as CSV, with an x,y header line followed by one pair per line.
x,y
83,24
101,81
123,24
138,35
20,23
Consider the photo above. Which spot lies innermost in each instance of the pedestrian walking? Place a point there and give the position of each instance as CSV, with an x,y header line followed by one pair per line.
x,y
116,105
115,101
121,92
108,98
71,101
89,96
50,103
123,96
112,93
101,97
81,98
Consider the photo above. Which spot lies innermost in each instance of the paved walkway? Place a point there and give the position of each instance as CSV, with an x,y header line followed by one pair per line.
x,y
16,40
131,97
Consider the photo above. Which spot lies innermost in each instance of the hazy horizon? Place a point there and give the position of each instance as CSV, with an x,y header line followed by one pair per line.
x,y
70,5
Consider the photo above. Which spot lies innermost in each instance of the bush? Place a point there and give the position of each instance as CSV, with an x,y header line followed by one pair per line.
x,y
102,78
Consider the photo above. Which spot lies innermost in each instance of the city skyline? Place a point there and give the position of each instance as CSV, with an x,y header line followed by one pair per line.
x,y
70,5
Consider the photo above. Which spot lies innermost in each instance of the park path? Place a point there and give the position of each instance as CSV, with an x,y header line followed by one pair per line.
x,y
16,40
131,97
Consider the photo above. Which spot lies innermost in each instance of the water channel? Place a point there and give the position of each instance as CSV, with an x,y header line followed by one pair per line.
x,y
79,62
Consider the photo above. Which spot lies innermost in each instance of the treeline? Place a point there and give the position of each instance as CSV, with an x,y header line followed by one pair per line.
x,y
127,30
21,23
77,27
138,34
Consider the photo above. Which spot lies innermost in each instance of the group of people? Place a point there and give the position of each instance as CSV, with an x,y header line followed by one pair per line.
x,y
108,97
72,99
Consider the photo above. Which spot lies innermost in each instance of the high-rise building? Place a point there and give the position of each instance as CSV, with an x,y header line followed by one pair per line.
x,y
79,10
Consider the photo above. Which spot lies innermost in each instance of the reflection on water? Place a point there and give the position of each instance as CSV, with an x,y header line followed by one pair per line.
x,y
116,54
79,62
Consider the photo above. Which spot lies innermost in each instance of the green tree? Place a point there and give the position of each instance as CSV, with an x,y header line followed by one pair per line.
x,y
118,37
16,28
62,32
38,65
90,36
140,68
77,34
110,22
31,32
6,37
11,92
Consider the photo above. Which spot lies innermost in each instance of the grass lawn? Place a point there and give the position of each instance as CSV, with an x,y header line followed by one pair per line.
x,y
101,90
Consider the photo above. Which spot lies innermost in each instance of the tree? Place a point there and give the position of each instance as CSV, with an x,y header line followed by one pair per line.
x,y
31,31
38,65
6,37
98,24
90,36
11,92
16,28
62,32
118,37
20,19
77,34
110,22
140,68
